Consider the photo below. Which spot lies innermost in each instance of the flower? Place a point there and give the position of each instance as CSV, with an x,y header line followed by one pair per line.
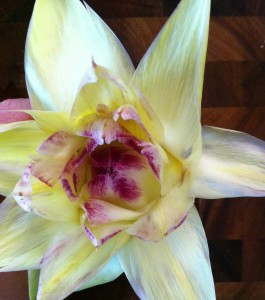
x,y
106,182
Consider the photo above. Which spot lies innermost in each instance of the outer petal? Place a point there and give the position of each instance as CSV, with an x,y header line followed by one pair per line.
x,y
110,272
63,39
170,77
52,121
16,146
9,126
9,113
177,267
70,261
24,237
10,173
232,165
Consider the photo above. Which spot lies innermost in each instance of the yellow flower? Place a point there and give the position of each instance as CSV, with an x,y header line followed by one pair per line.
x,y
100,169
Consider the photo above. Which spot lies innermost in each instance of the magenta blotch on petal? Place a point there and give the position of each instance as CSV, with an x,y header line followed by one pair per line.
x,y
23,190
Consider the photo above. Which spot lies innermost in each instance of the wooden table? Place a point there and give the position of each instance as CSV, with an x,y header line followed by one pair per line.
x,y
234,97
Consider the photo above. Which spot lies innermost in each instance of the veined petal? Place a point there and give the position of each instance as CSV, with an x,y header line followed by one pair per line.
x,y
10,173
165,215
177,267
101,212
110,272
64,38
9,110
170,77
52,121
55,152
107,93
23,237
71,260
25,139
232,165
9,126
52,203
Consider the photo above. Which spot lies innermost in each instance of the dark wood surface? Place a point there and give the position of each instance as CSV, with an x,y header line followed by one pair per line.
x,y
233,97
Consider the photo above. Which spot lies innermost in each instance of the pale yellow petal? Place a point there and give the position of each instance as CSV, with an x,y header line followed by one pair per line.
x,y
64,38
10,173
177,267
10,126
16,147
165,215
24,237
71,260
170,77
102,96
53,203
51,121
232,165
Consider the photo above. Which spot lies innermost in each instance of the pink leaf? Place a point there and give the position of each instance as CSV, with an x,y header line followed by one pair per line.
x,y
9,110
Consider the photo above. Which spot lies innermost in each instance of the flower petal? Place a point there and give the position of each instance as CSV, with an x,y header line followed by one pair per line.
x,y
63,39
108,92
52,121
232,165
55,152
110,272
101,212
71,261
167,214
177,267
52,203
9,126
26,137
23,237
170,77
9,110
10,173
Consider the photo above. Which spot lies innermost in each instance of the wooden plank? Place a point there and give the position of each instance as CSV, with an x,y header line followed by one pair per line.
x,y
230,39
226,7
234,84
253,256
249,120
240,291
125,8
14,286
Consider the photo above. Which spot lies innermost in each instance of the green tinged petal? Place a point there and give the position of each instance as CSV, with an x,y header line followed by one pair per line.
x,y
232,165
64,38
170,77
33,281
177,267
110,272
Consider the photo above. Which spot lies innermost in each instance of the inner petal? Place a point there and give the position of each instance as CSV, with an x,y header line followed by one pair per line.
x,y
113,170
